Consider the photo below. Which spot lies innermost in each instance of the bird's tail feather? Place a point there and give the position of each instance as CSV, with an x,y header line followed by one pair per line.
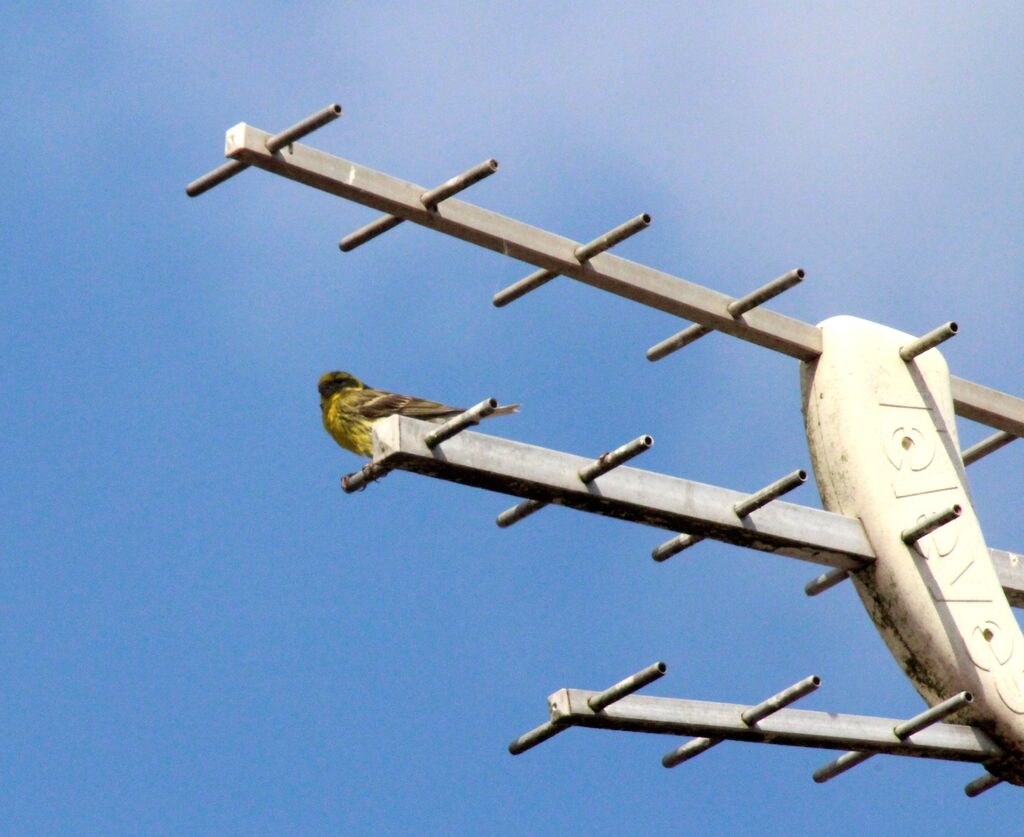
x,y
505,410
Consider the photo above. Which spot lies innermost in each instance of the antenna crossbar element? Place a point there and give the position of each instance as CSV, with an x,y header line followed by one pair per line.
x,y
556,253
929,524
633,683
793,727
456,424
751,716
986,446
272,145
741,509
548,476
587,474
748,505
430,199
825,581
659,500
902,731
584,253
358,480
737,308
597,702
929,341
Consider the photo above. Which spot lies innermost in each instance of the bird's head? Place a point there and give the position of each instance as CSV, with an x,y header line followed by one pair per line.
x,y
333,382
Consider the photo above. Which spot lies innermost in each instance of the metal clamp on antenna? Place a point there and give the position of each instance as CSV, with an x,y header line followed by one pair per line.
x,y
736,309
358,480
587,474
986,446
932,339
597,703
749,716
742,509
430,199
583,254
901,731
458,423
273,145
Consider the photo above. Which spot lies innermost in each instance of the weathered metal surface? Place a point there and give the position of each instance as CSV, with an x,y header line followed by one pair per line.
x,y
902,731
884,444
633,683
794,727
988,406
430,199
272,145
556,253
626,493
737,308
647,497
524,242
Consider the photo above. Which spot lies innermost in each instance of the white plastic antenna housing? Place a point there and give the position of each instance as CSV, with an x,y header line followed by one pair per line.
x,y
883,441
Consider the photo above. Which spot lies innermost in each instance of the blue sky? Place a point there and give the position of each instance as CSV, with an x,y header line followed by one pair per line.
x,y
199,633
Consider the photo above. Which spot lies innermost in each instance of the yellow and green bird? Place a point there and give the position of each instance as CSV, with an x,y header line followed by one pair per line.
x,y
350,409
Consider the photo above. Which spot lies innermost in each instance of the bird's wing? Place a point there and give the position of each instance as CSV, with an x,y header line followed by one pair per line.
x,y
378,404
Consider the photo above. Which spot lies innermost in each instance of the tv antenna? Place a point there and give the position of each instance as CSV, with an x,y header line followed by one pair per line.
x,y
879,408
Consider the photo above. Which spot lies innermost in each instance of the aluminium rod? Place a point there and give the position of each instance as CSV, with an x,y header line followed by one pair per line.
x,y
613,459
626,687
749,716
522,287
983,783
537,735
303,128
585,252
675,546
432,197
358,480
770,492
845,762
781,700
933,715
902,731
458,423
677,341
736,308
518,512
826,581
273,145
368,233
582,253
986,446
684,752
588,473
932,339
913,534
770,290
223,172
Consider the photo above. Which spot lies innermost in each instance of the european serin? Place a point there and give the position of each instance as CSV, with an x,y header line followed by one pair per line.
x,y
350,409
